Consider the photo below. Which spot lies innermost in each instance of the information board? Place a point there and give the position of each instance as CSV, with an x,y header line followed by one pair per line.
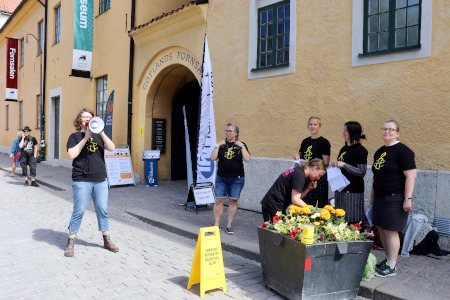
x,y
159,134
203,195
118,167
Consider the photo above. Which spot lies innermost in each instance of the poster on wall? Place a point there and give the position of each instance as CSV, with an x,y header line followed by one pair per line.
x,y
11,69
118,167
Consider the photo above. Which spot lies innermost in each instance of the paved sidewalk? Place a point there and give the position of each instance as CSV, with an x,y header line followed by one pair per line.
x,y
418,277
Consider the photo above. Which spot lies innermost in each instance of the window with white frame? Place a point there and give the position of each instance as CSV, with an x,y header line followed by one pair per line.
x,y
7,117
101,99
272,33
22,54
39,111
391,25
21,114
104,6
57,24
390,30
41,36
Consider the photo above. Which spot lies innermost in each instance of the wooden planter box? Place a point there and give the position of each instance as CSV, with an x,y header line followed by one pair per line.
x,y
319,271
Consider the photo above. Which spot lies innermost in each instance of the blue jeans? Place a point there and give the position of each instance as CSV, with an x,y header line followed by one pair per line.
x,y
229,187
82,192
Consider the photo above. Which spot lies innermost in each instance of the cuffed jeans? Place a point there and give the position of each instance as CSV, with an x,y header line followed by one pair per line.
x,y
82,192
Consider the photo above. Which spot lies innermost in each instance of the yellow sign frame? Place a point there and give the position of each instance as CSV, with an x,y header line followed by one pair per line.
x,y
208,268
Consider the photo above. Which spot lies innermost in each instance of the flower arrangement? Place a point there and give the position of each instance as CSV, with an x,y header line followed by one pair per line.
x,y
329,222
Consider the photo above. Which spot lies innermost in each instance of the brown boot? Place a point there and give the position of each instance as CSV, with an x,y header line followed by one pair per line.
x,y
69,252
108,244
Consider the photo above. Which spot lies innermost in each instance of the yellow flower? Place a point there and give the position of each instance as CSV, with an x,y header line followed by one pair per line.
x,y
325,214
328,207
316,223
306,210
340,212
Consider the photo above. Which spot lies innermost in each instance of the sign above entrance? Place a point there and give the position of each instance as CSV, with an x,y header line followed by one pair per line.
x,y
175,55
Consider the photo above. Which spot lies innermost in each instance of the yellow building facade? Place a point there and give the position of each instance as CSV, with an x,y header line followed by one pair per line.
x,y
325,74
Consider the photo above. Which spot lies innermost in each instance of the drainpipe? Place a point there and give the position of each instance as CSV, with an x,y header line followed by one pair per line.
x,y
130,75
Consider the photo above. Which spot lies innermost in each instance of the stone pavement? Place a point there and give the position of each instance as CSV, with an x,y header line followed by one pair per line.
x,y
145,266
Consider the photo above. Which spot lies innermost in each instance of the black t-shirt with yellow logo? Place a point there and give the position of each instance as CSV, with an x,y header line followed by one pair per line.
x,y
388,166
89,165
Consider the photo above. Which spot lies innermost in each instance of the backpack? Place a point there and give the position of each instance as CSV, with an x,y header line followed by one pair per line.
x,y
429,245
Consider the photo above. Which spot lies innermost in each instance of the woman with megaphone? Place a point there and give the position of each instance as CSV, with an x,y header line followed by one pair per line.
x,y
86,147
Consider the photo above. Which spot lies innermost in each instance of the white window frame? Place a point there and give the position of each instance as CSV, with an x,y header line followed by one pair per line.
x,y
358,34
102,95
57,24
253,40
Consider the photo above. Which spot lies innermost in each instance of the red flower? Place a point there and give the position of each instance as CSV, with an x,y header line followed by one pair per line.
x,y
357,226
264,224
276,219
294,231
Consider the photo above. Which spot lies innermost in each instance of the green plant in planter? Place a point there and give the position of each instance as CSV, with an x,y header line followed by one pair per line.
x,y
41,154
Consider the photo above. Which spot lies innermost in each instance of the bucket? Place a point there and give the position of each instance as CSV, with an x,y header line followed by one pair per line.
x,y
308,234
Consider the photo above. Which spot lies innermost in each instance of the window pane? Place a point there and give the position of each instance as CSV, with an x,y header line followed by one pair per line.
x,y
262,60
270,15
383,42
263,32
262,45
280,11
413,2
373,24
270,30
287,11
384,6
286,41
373,7
400,37
269,45
412,36
287,26
280,44
413,15
384,22
279,57
280,27
401,3
372,43
400,18
263,18
269,58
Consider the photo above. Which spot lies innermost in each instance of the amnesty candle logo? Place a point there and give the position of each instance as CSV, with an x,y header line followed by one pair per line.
x,y
11,69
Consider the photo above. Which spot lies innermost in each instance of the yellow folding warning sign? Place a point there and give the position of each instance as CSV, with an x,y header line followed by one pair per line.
x,y
207,267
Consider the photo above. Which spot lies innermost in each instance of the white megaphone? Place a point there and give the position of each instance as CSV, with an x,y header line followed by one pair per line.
x,y
96,124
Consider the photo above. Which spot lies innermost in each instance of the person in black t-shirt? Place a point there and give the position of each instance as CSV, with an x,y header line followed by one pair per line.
x,y
394,174
352,160
316,146
88,178
28,153
291,187
230,153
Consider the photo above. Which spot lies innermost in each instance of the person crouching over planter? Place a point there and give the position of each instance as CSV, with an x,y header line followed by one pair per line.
x,y
289,188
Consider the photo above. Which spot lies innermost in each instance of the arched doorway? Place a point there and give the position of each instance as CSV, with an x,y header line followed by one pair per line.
x,y
188,96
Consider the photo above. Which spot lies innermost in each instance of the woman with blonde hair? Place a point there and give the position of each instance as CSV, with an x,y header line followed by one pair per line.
x,y
316,146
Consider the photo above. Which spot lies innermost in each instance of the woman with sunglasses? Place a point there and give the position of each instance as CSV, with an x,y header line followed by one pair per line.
x,y
230,154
